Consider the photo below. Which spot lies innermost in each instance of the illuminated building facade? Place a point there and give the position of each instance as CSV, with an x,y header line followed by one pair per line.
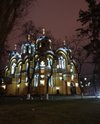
x,y
38,69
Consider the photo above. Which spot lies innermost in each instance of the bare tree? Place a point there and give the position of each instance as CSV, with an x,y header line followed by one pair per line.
x,y
10,10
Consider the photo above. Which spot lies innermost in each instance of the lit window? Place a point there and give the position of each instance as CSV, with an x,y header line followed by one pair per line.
x,y
68,84
18,85
76,84
4,87
42,76
42,82
61,62
49,62
26,79
36,80
57,88
13,68
89,83
27,65
24,49
51,82
26,84
72,77
71,70
37,65
29,50
42,63
57,66
60,78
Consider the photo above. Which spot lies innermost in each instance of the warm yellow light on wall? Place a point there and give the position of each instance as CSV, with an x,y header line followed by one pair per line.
x,y
57,88
42,63
4,87
42,82
18,85
57,66
42,76
26,84
72,77
42,70
68,84
60,78
76,84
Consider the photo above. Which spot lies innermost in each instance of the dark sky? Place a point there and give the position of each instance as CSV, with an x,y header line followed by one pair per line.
x,y
58,16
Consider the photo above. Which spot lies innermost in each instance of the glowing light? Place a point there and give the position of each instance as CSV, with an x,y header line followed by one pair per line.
x,y
2,81
42,82
60,78
26,79
4,87
89,83
43,31
57,88
57,66
26,84
64,42
71,70
42,63
18,85
68,84
42,76
29,37
72,77
50,41
76,84
13,68
85,78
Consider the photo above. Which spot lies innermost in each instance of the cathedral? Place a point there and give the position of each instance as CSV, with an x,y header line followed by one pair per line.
x,y
38,69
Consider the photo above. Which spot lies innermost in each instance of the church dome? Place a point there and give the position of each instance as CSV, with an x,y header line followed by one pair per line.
x,y
43,42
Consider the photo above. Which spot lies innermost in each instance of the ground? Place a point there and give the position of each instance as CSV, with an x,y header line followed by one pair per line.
x,y
70,111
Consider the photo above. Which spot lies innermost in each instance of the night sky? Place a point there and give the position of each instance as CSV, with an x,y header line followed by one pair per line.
x,y
58,16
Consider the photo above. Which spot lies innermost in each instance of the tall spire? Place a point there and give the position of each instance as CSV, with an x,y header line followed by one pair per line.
x,y
28,37
64,43
15,46
43,31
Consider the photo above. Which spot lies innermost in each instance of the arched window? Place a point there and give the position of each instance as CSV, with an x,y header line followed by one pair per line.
x,y
42,64
49,62
29,49
37,65
27,66
61,62
13,68
23,48
51,82
36,78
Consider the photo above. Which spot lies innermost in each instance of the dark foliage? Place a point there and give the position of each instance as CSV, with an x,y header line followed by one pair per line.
x,y
90,20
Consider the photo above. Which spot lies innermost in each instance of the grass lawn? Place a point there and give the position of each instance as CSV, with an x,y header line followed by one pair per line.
x,y
50,112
